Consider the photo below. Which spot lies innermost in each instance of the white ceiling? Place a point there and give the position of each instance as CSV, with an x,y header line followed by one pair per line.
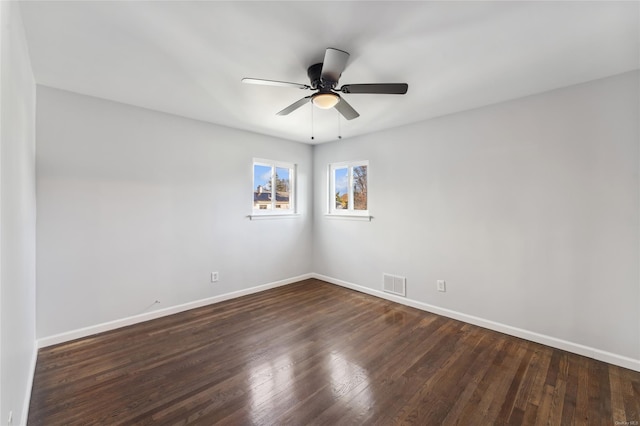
x,y
187,58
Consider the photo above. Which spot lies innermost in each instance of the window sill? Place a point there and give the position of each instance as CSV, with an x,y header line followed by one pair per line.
x,y
274,216
348,217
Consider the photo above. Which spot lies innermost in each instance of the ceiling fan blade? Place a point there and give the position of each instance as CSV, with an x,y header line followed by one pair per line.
x,y
346,110
383,88
274,83
333,64
294,106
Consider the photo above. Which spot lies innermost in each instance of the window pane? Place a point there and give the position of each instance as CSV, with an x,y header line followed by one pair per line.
x,y
341,179
261,187
360,188
283,188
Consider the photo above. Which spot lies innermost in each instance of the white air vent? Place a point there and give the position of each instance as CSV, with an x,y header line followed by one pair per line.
x,y
394,284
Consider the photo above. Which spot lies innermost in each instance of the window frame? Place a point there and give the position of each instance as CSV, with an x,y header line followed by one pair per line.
x,y
350,211
273,211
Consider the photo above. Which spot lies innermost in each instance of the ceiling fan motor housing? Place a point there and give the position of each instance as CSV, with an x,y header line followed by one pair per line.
x,y
314,72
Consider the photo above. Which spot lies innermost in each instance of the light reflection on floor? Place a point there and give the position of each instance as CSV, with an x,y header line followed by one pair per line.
x,y
266,380
273,384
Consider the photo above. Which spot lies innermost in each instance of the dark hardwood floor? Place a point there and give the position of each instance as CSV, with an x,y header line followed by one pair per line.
x,y
314,353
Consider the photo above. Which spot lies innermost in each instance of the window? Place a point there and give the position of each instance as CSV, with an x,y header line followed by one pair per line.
x,y
348,188
273,187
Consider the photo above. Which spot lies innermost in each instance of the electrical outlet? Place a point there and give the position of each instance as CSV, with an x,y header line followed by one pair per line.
x,y
214,277
442,286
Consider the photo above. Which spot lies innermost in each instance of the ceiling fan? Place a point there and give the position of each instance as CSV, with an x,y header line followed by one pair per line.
x,y
324,78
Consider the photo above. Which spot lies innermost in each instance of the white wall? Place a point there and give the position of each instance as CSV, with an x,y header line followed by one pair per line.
x,y
136,206
528,209
17,218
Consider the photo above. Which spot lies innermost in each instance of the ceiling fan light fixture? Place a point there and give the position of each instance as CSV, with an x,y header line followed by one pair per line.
x,y
326,100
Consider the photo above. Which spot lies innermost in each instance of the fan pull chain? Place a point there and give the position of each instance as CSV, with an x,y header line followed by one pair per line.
x,y
312,138
339,126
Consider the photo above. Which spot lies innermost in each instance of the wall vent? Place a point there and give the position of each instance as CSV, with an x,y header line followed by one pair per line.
x,y
394,284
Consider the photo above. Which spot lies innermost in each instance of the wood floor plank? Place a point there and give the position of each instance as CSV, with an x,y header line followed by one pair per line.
x,y
537,386
313,353
475,374
631,384
569,406
581,415
617,399
559,391
509,401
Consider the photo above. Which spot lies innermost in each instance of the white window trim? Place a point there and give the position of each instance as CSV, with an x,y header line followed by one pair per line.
x,y
350,213
365,218
273,213
273,216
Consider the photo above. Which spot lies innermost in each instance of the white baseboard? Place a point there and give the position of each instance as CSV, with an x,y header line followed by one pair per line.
x,y
112,325
27,397
611,358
